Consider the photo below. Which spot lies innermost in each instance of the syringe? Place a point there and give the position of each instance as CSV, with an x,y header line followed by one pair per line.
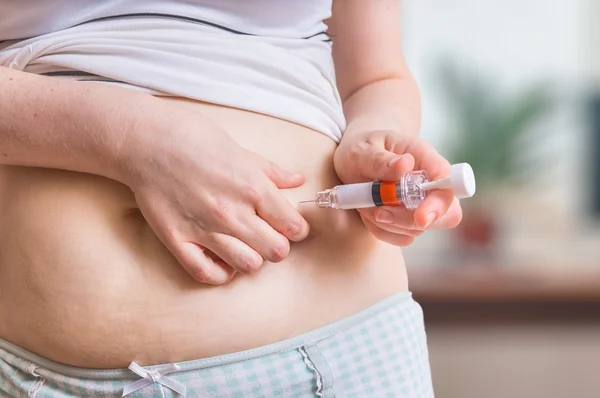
x,y
410,190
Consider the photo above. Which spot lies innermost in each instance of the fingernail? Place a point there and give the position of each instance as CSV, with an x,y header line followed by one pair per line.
x,y
302,233
298,176
394,161
384,216
430,218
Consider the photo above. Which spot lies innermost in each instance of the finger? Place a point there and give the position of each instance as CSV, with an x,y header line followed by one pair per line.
x,y
433,207
198,263
281,215
438,201
393,228
386,165
235,253
261,237
398,216
282,179
451,219
429,159
388,237
397,230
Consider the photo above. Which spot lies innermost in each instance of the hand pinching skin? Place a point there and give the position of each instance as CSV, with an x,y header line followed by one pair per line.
x,y
386,155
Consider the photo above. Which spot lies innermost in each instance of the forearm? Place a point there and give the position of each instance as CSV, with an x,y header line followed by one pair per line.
x,y
389,104
52,123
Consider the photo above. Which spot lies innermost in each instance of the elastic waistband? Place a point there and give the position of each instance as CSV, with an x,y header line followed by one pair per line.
x,y
308,338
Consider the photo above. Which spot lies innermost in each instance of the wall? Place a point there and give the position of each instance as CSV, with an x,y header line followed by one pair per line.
x,y
556,361
516,43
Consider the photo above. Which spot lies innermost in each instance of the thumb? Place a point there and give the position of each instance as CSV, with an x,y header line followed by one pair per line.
x,y
280,177
385,165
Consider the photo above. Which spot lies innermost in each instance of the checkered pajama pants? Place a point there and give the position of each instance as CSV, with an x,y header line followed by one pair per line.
x,y
378,352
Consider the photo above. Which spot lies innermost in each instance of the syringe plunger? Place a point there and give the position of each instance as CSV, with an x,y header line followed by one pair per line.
x,y
461,181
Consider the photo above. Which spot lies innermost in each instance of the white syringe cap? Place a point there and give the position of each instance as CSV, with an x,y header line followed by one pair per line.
x,y
462,179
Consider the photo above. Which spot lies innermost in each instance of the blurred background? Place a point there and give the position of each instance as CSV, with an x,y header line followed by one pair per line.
x,y
512,297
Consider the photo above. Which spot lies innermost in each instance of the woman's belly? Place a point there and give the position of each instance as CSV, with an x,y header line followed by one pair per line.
x,y
84,281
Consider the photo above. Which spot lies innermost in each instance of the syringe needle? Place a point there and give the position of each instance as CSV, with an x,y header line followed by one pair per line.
x,y
307,201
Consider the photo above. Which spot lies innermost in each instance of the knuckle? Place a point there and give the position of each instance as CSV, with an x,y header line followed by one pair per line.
x,y
354,152
223,213
202,275
279,252
357,150
249,264
378,159
253,193
292,228
172,234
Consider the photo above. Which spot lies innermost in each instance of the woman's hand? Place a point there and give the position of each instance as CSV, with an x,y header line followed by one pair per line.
x,y
386,155
214,205
200,191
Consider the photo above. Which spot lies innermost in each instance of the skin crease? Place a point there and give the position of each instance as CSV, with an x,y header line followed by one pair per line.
x,y
86,280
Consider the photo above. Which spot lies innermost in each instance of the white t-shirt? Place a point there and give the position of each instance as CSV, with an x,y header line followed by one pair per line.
x,y
266,56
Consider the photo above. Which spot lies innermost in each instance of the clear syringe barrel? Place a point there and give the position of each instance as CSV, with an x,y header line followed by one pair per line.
x,y
405,191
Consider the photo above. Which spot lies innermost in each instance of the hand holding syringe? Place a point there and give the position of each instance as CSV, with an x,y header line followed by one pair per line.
x,y
409,191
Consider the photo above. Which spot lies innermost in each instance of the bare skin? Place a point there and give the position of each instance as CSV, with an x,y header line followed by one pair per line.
x,y
103,290
122,236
